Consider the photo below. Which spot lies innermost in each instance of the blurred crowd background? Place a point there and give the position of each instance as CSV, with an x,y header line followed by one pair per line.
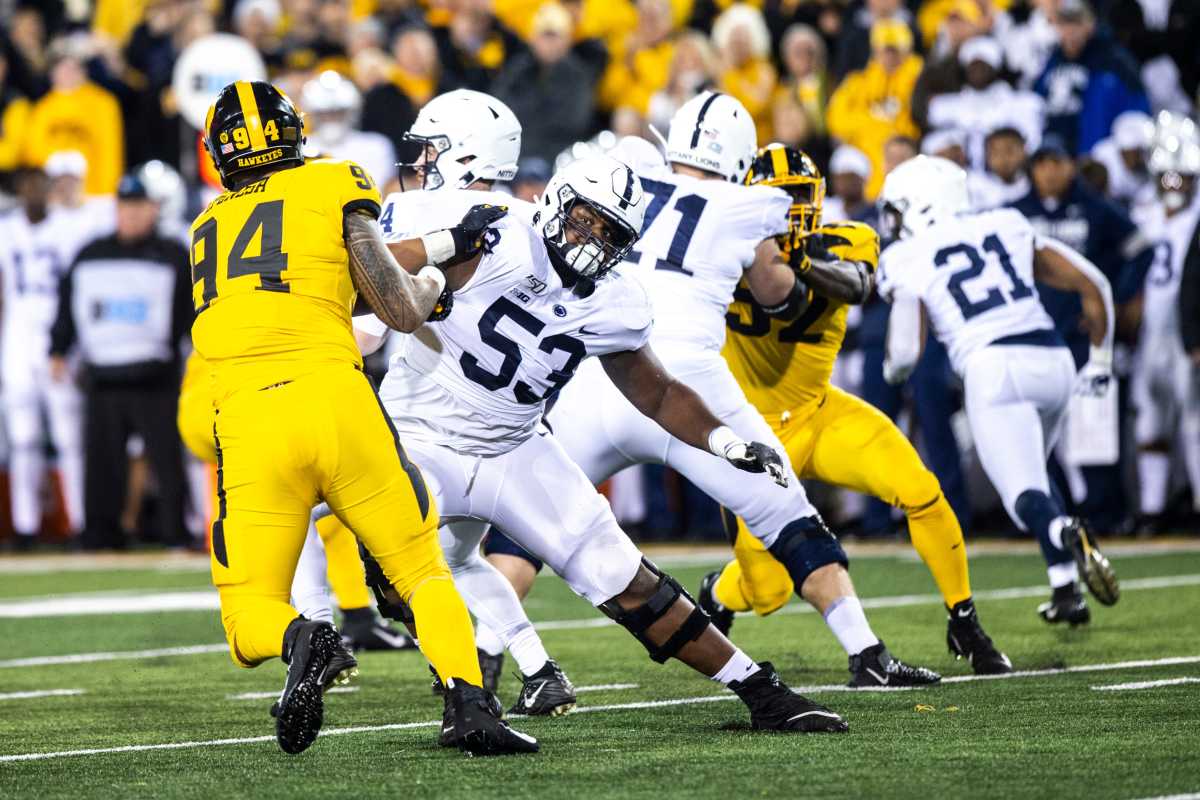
x,y
1050,105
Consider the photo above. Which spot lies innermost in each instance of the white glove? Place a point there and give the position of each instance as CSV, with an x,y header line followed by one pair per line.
x,y
747,456
1095,378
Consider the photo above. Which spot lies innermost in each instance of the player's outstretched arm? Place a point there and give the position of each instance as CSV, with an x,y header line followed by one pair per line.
x,y
1058,266
774,284
905,339
653,391
401,301
829,276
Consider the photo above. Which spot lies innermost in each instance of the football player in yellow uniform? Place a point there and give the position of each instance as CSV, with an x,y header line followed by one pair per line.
x,y
784,368
278,261
362,628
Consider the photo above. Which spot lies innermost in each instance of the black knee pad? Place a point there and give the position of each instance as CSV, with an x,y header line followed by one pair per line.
x,y
637,620
498,542
388,601
806,545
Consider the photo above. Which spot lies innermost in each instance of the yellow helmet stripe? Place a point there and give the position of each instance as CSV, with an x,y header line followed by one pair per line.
x,y
779,163
245,93
208,118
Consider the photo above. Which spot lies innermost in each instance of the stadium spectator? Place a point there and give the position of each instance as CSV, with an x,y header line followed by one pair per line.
x,y
14,120
804,83
532,176
986,102
1088,81
257,21
1004,180
693,69
77,114
1029,42
549,88
744,46
640,60
27,52
849,171
473,47
958,21
125,305
332,108
1123,155
854,45
873,104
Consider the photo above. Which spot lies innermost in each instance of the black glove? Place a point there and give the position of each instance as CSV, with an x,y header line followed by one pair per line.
x,y
441,309
819,246
757,457
468,234
387,599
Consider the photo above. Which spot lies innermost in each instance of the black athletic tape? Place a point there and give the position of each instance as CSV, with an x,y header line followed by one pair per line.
x,y
638,620
700,117
696,624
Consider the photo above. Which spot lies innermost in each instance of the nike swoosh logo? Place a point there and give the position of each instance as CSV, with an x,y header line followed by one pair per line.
x,y
397,640
530,697
448,730
883,679
583,331
963,613
829,714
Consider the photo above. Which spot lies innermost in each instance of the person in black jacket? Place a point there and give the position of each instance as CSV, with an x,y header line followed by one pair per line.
x,y
125,305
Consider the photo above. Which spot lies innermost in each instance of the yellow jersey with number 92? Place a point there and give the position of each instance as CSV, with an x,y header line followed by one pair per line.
x,y
782,365
271,278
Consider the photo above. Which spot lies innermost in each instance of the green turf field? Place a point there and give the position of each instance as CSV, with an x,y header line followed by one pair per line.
x,y
1047,734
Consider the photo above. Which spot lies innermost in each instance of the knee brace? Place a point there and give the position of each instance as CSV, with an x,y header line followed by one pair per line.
x,y
638,620
387,599
806,545
498,542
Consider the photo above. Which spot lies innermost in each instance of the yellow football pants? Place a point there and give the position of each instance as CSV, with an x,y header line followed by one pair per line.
x,y
845,441
282,449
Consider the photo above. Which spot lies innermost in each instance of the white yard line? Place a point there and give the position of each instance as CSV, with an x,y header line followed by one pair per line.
x,y
127,603
682,701
1125,687
895,601
275,694
41,693
1190,796
605,687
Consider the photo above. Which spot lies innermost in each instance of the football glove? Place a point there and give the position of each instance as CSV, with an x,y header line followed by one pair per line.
x,y
457,244
747,456
441,309
1096,376
816,247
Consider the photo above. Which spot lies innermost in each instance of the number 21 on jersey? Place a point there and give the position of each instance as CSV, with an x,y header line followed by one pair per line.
x,y
969,267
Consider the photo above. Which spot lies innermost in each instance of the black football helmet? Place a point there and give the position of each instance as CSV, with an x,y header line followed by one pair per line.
x,y
793,171
252,124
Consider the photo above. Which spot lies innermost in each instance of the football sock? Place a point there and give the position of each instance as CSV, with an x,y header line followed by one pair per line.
x,y
25,466
527,649
309,594
344,567
1154,473
1037,511
849,624
1062,574
70,471
937,538
739,667
728,588
1055,531
487,640
444,628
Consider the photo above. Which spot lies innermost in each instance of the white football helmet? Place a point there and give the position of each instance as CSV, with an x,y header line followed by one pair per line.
x,y
165,186
609,190
713,132
1175,159
466,136
332,104
920,192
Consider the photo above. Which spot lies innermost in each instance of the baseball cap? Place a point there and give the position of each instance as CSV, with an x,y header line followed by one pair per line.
x,y
1131,130
981,48
1052,146
847,159
63,163
132,187
891,33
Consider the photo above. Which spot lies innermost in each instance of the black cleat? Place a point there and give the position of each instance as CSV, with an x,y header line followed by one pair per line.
x,y
363,629
473,722
490,666
545,693
775,707
1066,604
316,660
1094,568
966,639
722,617
876,667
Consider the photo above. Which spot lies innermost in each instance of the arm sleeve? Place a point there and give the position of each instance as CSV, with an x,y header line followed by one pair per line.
x,y
903,338
1189,296
62,333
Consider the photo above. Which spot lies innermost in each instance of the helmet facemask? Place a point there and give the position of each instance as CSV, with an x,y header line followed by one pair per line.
x,y
573,243
804,214
425,164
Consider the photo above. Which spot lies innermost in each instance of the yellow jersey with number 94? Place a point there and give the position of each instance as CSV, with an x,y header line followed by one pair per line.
x,y
783,365
271,278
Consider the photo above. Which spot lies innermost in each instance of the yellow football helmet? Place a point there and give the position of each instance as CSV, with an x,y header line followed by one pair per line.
x,y
793,171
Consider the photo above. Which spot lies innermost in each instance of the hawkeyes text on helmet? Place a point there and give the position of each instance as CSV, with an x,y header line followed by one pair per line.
x,y
251,125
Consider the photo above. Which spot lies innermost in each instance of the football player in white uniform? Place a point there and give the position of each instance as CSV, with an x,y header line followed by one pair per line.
x,y
37,245
704,233
970,276
1163,390
332,105
468,391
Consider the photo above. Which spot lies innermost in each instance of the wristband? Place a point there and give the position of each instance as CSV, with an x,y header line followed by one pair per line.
x,y
439,246
721,439
1100,357
434,274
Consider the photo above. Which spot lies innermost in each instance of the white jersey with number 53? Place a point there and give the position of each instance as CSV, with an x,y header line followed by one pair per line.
x,y
698,238
974,275
478,381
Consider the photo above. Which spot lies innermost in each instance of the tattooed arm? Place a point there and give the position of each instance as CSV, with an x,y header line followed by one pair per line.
x,y
402,301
